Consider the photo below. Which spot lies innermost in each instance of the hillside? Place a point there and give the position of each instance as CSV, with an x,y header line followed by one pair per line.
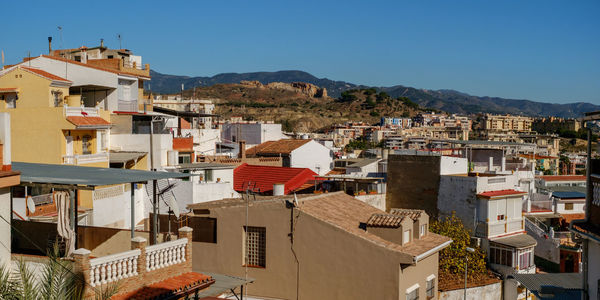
x,y
446,100
299,112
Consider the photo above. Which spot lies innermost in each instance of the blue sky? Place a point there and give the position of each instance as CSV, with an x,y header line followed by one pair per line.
x,y
539,50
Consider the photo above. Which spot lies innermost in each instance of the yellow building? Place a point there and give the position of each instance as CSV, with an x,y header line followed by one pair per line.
x,y
47,124
506,123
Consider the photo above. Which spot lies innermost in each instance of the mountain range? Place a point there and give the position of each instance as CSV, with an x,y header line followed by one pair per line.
x,y
446,100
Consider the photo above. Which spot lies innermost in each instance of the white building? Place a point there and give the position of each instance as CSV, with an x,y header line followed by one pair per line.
x,y
297,154
7,180
252,133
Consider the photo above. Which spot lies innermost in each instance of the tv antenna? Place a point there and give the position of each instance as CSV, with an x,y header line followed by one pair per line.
x,y
120,40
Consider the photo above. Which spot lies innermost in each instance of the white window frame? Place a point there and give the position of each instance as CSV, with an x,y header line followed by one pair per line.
x,y
410,290
430,280
422,230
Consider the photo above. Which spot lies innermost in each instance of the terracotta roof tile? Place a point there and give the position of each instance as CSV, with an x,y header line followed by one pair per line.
x,y
385,220
182,285
92,66
45,74
283,146
87,121
266,176
563,177
500,193
414,214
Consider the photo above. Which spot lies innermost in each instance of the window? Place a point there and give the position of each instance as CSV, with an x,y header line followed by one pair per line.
x,y
255,246
423,230
501,256
525,258
86,144
568,206
430,287
57,96
185,158
406,237
500,217
412,293
208,175
11,101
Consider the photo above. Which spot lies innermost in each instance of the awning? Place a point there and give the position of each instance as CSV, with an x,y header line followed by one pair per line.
x,y
178,113
517,241
82,122
121,157
223,284
552,285
90,177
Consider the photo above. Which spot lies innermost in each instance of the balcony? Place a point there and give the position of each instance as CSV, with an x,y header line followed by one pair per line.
x,y
487,230
78,111
127,105
82,159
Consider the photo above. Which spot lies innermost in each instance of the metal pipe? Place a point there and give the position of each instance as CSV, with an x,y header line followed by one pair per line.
x,y
75,226
132,209
155,213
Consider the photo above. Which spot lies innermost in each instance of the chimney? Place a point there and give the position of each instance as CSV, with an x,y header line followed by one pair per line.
x,y
278,189
49,45
242,149
101,43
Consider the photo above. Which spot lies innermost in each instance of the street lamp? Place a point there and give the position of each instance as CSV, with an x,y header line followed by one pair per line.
x,y
469,250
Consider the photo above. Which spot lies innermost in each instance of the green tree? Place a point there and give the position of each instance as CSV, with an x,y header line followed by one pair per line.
x,y
347,96
452,258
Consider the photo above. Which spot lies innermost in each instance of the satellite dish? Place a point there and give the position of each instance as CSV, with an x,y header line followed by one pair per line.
x,y
30,204
174,206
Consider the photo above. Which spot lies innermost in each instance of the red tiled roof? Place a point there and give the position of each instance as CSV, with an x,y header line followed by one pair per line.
x,y
266,176
181,285
385,220
500,193
87,121
563,177
9,90
537,156
283,146
45,74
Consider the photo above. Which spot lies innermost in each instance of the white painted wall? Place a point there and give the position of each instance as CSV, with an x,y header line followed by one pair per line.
x,y
365,170
375,200
578,207
453,165
5,235
204,140
252,133
111,210
490,291
314,156
5,137
141,142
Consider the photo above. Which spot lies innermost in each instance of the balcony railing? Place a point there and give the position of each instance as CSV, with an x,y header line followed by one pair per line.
x,y
127,105
165,254
79,111
114,267
85,158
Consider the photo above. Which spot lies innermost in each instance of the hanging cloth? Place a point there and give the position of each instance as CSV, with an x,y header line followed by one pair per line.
x,y
61,198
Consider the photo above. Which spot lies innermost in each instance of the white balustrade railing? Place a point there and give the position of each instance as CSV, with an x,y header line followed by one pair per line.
x,y
85,158
165,254
81,111
114,267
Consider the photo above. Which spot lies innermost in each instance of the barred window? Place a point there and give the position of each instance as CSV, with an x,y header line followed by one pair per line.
x,y
255,245
430,287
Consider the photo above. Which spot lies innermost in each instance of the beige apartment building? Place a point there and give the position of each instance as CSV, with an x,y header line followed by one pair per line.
x,y
506,123
327,246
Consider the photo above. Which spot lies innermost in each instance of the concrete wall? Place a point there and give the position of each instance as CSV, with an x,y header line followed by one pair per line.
x,y
204,140
490,291
141,142
320,266
314,156
252,133
5,235
375,200
413,182
578,207
593,270
453,165
457,193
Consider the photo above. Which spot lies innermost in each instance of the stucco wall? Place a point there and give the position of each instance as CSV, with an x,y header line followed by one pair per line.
x,y
376,200
141,142
413,182
252,133
457,193
314,156
453,165
593,270
329,263
5,236
491,292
